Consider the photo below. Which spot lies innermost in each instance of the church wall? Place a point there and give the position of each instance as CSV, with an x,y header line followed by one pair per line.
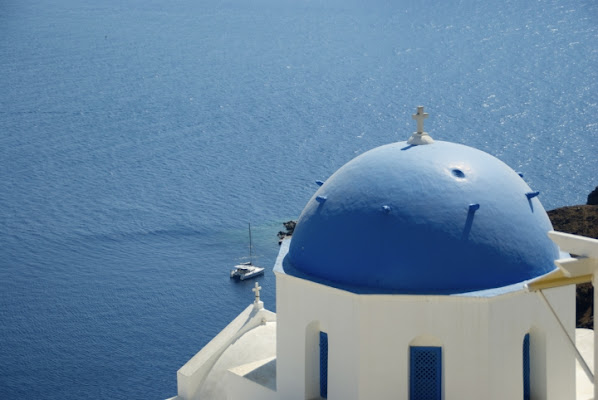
x,y
301,304
552,366
561,359
370,335
290,354
458,325
239,387
509,324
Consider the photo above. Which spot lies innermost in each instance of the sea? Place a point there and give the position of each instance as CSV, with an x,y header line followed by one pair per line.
x,y
139,139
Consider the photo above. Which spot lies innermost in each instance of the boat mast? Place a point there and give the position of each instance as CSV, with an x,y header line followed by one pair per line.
x,y
250,245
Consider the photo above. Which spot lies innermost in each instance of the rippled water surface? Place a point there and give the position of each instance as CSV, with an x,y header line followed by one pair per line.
x,y
138,139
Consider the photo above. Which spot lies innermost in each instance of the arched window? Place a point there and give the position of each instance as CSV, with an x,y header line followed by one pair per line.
x,y
425,374
526,368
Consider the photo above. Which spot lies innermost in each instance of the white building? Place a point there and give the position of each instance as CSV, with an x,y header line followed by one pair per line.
x,y
406,278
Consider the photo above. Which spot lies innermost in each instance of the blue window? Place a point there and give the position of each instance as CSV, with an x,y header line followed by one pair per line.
x,y
323,365
425,380
526,368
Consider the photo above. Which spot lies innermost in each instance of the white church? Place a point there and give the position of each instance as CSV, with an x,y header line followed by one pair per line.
x,y
419,270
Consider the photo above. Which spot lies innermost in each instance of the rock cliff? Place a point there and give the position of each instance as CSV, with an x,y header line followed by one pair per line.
x,y
580,220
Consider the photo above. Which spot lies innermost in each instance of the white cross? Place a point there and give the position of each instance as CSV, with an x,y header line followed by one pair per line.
x,y
256,290
419,117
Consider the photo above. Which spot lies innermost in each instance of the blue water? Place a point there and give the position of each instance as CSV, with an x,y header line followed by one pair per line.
x,y
138,139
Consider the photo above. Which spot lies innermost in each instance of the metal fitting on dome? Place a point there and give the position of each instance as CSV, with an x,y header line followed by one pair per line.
x,y
474,207
321,199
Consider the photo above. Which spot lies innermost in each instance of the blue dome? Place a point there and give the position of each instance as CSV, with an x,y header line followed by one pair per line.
x,y
434,219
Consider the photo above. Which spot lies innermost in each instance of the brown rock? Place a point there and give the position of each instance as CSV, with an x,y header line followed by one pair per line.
x,y
579,220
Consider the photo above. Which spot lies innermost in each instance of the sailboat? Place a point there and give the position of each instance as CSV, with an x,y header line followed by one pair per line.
x,y
246,270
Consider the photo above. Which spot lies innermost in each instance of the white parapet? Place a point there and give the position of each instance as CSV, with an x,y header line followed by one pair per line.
x,y
193,374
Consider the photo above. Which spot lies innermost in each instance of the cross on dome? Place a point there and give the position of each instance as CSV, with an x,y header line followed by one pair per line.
x,y
419,117
420,137
256,290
